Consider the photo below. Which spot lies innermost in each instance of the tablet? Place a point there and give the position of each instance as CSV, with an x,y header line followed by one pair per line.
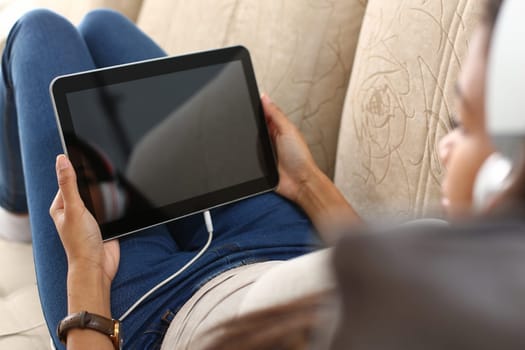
x,y
161,139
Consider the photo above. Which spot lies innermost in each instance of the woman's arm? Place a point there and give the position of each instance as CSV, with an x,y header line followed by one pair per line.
x,y
302,181
92,264
325,205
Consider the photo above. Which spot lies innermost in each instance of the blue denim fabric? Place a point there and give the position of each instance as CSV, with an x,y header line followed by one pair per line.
x,y
43,45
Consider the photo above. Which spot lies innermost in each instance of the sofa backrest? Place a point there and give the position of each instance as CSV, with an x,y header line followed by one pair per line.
x,y
399,103
75,10
302,52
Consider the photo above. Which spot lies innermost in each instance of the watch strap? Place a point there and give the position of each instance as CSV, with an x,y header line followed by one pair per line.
x,y
83,320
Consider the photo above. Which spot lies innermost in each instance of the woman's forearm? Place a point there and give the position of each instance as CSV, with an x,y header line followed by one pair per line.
x,y
326,206
88,290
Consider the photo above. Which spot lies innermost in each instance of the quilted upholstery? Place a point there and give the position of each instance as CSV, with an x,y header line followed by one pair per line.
x,y
302,51
399,103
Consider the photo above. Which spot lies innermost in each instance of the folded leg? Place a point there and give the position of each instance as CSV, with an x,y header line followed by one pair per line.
x,y
41,46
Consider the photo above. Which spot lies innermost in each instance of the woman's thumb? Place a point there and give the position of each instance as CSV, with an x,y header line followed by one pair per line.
x,y
67,181
274,113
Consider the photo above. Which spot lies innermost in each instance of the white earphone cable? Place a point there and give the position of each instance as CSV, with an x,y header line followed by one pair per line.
x,y
209,227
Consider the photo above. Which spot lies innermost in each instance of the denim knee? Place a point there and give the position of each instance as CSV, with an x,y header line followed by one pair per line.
x,y
113,39
101,21
30,23
38,20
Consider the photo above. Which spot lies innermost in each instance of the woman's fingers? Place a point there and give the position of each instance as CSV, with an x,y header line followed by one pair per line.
x,y
274,114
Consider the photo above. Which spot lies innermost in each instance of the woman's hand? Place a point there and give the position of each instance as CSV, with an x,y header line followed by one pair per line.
x,y
302,181
78,230
92,264
295,162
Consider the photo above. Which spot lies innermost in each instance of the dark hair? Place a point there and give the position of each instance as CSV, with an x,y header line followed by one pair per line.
x,y
490,16
492,9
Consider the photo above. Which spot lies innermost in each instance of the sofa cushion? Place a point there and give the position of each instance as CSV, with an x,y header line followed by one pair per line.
x,y
22,322
399,103
75,10
302,52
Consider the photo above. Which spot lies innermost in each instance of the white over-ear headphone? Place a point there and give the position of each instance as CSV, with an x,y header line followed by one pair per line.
x,y
505,102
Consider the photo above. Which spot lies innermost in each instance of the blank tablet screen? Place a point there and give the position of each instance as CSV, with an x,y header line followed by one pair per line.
x,y
146,144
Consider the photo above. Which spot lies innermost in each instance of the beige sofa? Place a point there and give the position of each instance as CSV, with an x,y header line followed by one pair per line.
x,y
373,122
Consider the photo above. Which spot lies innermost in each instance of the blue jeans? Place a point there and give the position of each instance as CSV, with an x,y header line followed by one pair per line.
x,y
43,45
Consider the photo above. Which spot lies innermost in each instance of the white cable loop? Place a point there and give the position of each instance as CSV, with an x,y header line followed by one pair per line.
x,y
209,227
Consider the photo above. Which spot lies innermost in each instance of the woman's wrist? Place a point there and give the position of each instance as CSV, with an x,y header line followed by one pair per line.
x,y
325,205
88,289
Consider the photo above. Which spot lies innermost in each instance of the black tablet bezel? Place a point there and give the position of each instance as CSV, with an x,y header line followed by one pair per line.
x,y
63,85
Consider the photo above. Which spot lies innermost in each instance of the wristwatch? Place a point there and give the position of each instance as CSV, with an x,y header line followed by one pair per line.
x,y
98,323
